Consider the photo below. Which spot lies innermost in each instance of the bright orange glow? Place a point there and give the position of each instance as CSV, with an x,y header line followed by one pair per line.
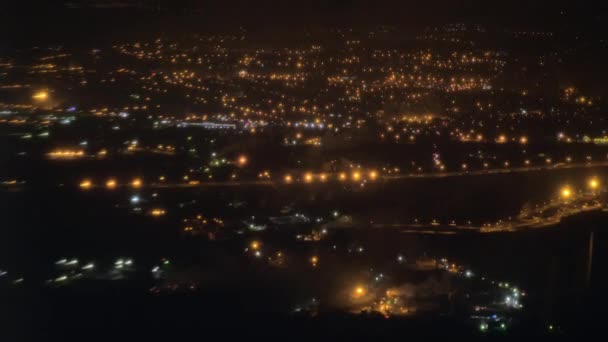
x,y
594,183
136,183
66,154
356,176
85,184
308,177
342,176
566,192
288,179
523,140
157,212
41,96
111,184
323,177
314,260
359,291
242,161
255,245
373,175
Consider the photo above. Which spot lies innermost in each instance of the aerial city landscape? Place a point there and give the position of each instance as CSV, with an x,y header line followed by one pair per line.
x,y
346,180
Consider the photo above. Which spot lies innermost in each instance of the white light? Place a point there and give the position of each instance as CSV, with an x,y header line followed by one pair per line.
x,y
135,199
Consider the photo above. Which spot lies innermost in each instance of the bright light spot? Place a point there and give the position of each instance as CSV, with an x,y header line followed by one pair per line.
x,y
356,176
242,160
594,183
111,184
41,96
255,245
136,183
157,212
288,179
314,260
135,199
566,192
359,291
86,184
308,177
342,176
373,175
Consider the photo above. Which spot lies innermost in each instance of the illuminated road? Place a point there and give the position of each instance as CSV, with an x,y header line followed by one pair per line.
x,y
332,178
528,219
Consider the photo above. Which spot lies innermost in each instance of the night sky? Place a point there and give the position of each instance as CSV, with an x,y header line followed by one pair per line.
x,y
45,20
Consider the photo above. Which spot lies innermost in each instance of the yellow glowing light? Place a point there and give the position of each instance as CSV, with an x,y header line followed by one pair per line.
x,y
356,176
359,291
288,179
41,96
255,245
314,260
323,177
342,176
523,140
594,183
111,184
242,161
85,184
308,177
566,193
136,183
157,212
373,175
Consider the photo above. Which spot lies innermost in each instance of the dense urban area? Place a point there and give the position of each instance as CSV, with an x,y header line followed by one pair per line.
x,y
450,175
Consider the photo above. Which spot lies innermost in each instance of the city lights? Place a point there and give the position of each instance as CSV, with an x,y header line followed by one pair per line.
x,y
41,95
308,177
359,291
242,160
86,184
566,192
157,212
111,183
594,184
220,166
